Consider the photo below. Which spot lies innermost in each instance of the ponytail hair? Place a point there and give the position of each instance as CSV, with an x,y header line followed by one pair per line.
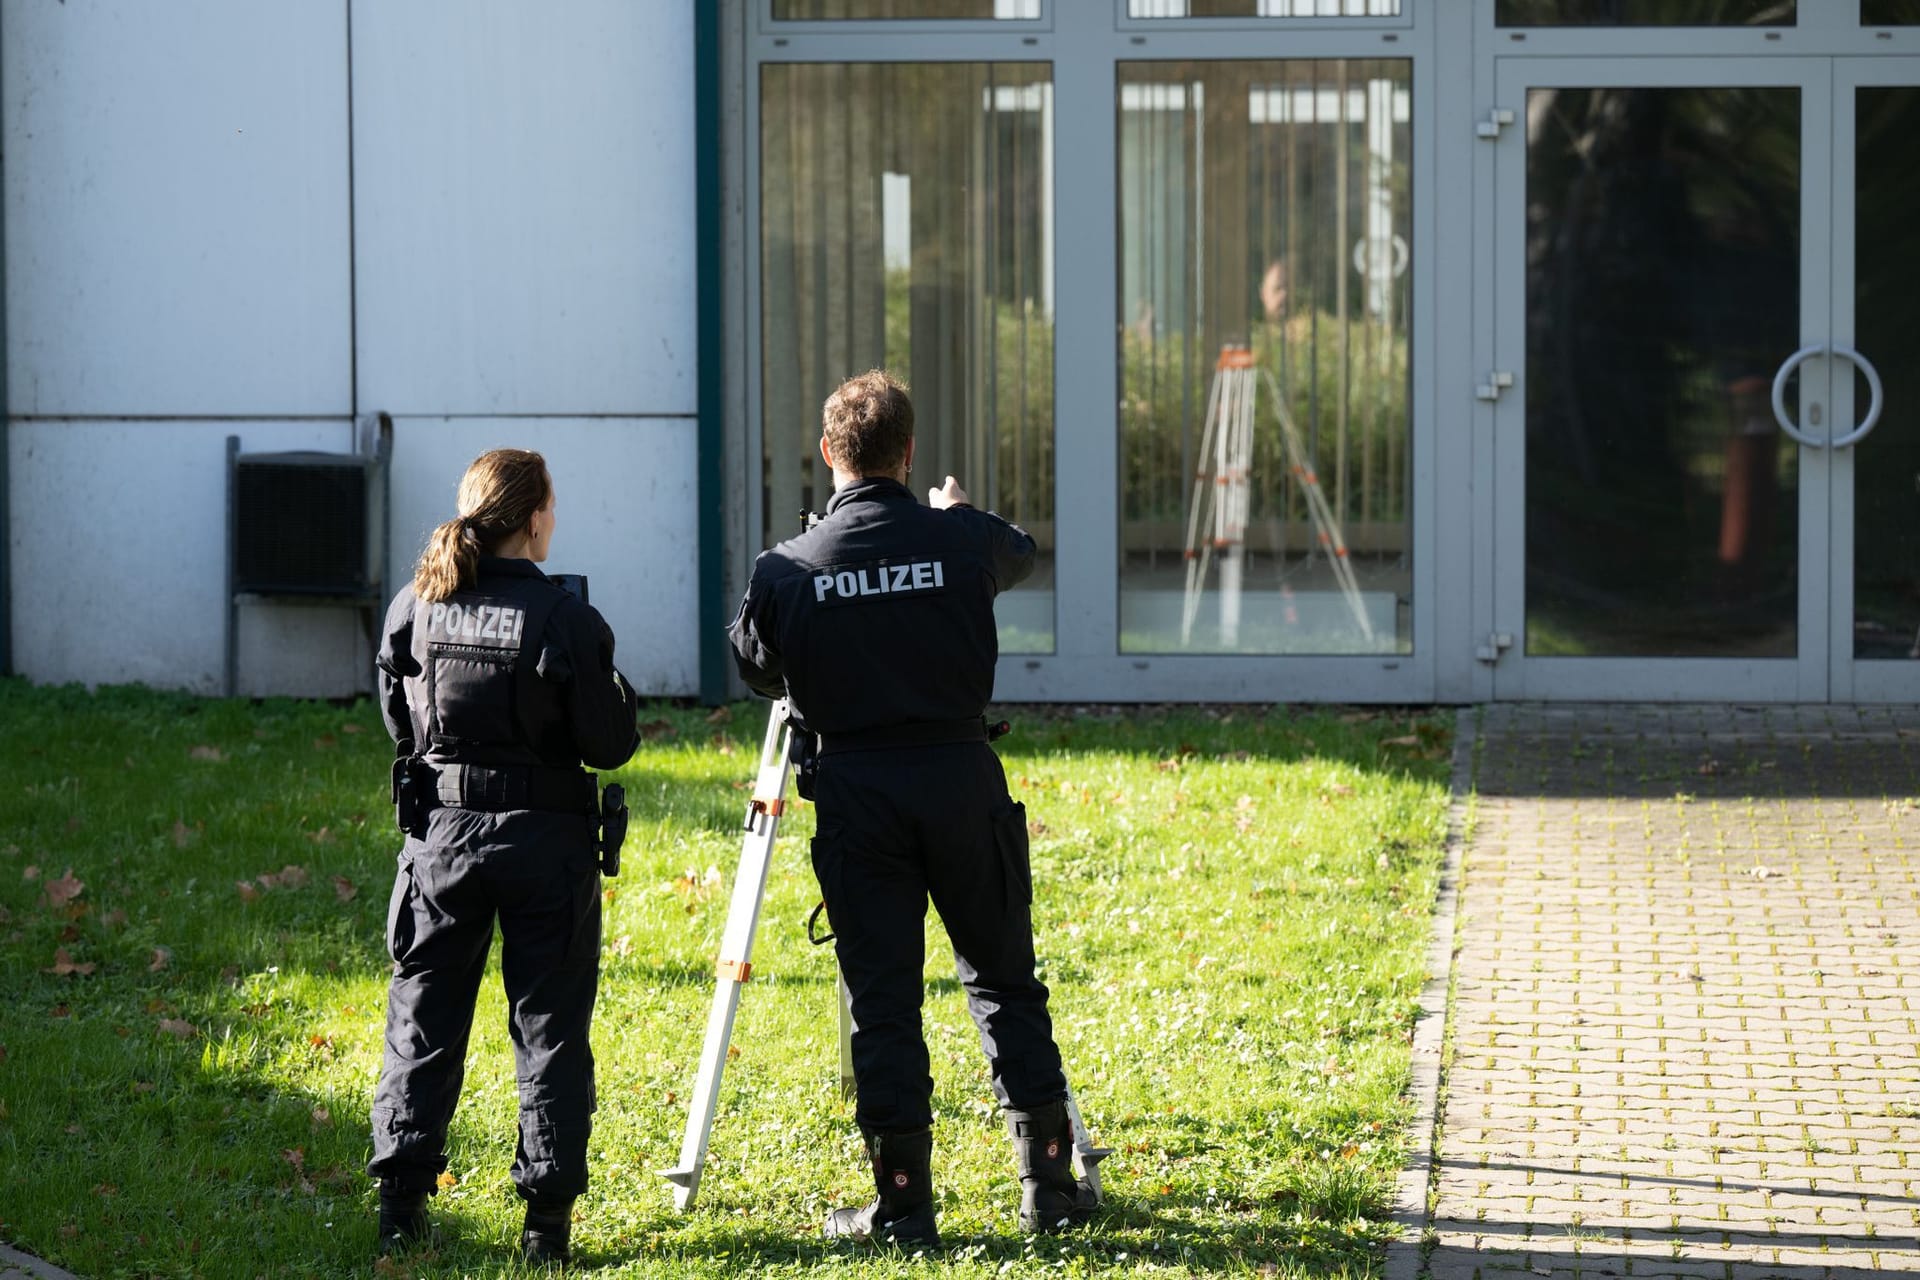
x,y
498,496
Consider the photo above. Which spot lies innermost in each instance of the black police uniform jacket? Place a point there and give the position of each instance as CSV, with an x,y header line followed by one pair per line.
x,y
882,614
512,672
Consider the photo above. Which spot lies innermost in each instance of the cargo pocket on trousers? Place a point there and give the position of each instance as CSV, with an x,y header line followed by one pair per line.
x,y
826,871
1010,837
400,915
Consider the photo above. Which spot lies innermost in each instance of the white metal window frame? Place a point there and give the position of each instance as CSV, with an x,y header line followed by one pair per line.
x,y
1084,43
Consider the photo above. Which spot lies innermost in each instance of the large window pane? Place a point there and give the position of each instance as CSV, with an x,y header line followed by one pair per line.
x,y
1263,8
1890,13
906,223
1646,13
819,10
1886,470
1264,246
1663,291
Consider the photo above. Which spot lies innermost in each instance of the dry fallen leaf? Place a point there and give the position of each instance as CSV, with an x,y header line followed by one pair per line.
x,y
30,873
321,1116
182,834
162,957
143,1086
344,889
350,728
293,877
655,729
324,741
1410,740
719,715
322,836
179,1027
295,1156
204,752
63,965
66,889
114,918
446,1181
247,892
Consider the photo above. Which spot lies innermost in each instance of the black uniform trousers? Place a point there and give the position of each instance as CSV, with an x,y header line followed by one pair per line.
x,y
535,873
900,826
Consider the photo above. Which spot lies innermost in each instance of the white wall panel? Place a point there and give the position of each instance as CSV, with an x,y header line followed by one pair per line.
x,y
176,207
119,562
627,512
523,191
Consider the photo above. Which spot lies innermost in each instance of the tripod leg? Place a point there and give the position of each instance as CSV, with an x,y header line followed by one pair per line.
x,y
846,1039
1086,1156
736,952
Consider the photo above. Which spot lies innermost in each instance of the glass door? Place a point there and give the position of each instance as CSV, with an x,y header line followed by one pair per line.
x,y
1662,227
1875,560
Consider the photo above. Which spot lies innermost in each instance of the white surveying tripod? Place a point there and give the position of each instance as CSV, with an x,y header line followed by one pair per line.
x,y
764,810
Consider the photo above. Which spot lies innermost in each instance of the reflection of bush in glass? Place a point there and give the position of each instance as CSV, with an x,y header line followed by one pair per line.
x,y
1017,416
1164,402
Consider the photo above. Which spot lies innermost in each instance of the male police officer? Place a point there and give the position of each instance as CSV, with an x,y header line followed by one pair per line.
x,y
878,625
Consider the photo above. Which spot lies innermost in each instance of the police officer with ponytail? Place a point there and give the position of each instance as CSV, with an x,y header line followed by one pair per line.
x,y
497,686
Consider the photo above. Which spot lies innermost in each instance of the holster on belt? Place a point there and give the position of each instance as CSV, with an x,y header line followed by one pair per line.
x,y
410,787
613,827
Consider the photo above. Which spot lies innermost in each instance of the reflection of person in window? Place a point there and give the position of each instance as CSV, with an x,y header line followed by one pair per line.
x,y
1746,299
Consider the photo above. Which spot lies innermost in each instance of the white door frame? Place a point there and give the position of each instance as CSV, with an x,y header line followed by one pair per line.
x,y
1854,680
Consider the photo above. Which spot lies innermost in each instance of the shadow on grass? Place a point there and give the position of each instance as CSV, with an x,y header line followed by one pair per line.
x,y
1729,755
1123,1229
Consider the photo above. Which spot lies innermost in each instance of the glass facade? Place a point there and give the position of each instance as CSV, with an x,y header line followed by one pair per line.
x,y
906,223
1264,227
1890,13
1663,277
1646,13
872,10
1263,8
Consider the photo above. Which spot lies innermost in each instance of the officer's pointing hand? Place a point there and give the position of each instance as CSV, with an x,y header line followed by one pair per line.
x,y
948,495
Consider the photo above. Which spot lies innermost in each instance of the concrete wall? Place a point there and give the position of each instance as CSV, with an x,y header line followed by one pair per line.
x,y
224,217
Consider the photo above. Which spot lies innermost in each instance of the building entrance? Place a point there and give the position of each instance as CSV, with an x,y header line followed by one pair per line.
x,y
1707,425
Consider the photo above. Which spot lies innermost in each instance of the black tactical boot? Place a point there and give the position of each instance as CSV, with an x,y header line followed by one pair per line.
x,y
902,1212
543,1238
403,1220
1050,1196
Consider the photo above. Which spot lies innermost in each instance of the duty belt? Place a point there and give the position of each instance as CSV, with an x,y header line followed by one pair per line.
x,y
503,788
919,733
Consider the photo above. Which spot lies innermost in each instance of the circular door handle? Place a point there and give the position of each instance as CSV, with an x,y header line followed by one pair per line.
x,y
1877,397
1793,362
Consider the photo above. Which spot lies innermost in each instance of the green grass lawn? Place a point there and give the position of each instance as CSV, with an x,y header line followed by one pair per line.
x,y
1231,909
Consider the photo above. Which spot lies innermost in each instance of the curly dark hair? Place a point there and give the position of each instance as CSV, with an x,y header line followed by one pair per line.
x,y
868,421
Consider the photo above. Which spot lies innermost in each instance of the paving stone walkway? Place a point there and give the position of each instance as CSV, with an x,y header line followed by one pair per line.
x,y
1685,998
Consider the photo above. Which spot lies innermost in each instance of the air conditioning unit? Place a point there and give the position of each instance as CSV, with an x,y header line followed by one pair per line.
x,y
308,527
304,524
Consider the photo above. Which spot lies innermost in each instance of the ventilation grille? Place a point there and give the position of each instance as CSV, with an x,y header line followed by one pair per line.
x,y
301,524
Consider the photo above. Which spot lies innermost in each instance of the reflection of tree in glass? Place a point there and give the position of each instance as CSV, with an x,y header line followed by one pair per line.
x,y
1886,473
1663,290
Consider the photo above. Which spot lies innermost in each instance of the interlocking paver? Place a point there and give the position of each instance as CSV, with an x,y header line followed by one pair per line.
x,y
1686,997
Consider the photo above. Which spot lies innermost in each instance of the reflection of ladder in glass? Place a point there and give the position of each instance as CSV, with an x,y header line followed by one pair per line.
x,y
1222,494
